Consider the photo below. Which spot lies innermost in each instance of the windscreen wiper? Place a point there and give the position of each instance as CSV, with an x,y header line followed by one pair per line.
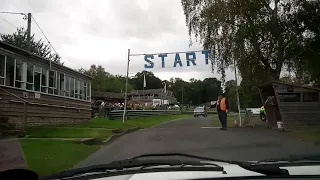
x,y
263,169
128,164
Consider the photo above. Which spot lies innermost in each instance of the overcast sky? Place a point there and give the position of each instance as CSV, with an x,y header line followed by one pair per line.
x,y
86,32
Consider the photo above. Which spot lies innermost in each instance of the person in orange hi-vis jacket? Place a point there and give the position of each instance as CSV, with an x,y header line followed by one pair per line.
x,y
222,108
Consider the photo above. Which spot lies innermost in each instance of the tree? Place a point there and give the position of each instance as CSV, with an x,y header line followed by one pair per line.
x,y
258,35
195,91
308,20
152,81
263,37
211,89
228,86
179,88
104,81
38,47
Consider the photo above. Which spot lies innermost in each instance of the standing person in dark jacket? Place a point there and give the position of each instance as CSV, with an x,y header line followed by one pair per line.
x,y
222,108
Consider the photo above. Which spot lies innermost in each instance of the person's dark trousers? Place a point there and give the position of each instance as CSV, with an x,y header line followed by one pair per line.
x,y
223,119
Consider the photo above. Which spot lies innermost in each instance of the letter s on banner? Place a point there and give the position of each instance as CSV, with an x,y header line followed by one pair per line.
x,y
151,64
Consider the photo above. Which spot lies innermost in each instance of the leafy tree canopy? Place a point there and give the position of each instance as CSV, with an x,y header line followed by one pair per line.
x,y
260,35
38,47
152,81
104,81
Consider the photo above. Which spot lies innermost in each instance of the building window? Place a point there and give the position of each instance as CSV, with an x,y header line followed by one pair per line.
x,y
52,82
44,79
289,97
10,71
30,76
79,89
72,88
19,74
57,79
67,83
85,91
76,90
311,97
89,92
2,69
37,78
61,84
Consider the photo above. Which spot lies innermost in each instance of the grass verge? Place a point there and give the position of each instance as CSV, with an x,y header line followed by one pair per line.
x,y
49,156
65,132
141,122
46,156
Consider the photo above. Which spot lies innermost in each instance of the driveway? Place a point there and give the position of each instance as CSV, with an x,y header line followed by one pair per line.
x,y
196,136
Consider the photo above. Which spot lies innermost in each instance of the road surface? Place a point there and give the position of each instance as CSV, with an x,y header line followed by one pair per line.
x,y
196,136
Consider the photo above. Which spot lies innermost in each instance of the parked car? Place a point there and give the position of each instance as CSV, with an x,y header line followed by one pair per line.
x,y
200,111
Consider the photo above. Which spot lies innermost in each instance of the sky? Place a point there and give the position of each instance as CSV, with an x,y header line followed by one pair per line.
x,y
86,32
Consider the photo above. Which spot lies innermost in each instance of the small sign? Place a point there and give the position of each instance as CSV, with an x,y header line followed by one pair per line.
x,y
25,95
11,155
37,95
290,88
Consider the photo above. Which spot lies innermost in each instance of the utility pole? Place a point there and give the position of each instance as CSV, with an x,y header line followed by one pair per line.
x,y
29,32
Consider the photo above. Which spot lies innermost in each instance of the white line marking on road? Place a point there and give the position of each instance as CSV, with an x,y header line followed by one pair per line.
x,y
210,127
159,128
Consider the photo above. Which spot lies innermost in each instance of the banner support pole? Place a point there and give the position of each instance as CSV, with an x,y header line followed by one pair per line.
x,y
237,91
126,92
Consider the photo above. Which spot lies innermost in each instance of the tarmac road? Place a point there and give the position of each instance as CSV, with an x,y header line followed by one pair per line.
x,y
196,136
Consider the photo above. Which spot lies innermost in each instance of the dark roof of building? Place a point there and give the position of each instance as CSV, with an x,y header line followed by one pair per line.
x,y
23,52
109,95
279,82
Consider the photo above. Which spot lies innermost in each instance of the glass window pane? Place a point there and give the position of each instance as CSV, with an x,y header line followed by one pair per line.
x,y
30,86
84,90
50,90
37,77
311,97
81,90
57,91
289,97
10,71
72,87
61,82
44,77
52,79
89,92
19,70
67,92
30,73
76,89
2,65
18,84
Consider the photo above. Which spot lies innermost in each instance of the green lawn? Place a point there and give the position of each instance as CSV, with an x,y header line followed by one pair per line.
x,y
50,156
46,156
141,122
99,128
67,132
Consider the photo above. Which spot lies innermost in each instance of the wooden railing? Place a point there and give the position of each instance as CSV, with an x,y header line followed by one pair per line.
x,y
25,104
